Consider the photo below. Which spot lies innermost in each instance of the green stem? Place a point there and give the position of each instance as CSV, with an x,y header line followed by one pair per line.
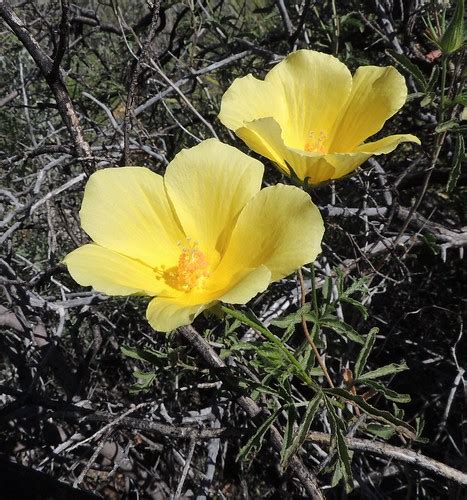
x,y
275,340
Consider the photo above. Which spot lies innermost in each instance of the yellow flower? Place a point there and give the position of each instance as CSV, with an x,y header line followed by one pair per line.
x,y
203,233
309,113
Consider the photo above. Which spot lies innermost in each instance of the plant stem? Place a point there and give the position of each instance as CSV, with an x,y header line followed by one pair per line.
x,y
309,338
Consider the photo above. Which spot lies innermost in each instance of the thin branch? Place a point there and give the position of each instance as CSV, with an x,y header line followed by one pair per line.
x,y
212,67
134,79
306,331
64,31
397,453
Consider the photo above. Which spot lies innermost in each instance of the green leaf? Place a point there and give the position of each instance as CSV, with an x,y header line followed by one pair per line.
x,y
365,352
255,442
460,99
251,320
144,381
289,428
357,285
382,431
300,438
388,393
383,371
431,242
453,38
457,158
381,415
147,354
337,436
411,68
427,100
445,126
294,318
343,329
358,305
326,290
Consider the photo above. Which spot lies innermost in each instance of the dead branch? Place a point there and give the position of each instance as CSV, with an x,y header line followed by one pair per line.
x,y
52,74
396,453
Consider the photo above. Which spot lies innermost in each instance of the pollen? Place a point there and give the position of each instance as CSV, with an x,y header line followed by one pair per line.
x,y
191,271
316,142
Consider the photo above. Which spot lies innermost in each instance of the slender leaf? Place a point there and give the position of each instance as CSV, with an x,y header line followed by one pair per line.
x,y
381,415
411,68
341,446
383,371
453,38
457,158
365,352
300,438
388,393
149,355
358,305
342,329
357,285
255,442
293,318
446,126
382,431
289,427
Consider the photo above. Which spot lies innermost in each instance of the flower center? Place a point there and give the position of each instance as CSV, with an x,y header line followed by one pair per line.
x,y
191,271
316,142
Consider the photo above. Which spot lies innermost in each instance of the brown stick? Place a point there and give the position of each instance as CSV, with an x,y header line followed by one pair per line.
x,y
402,454
307,479
52,74
134,79
307,333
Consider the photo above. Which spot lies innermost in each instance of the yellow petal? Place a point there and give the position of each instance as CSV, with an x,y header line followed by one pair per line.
x,y
250,284
337,165
264,136
387,144
126,210
209,185
165,314
280,228
248,99
111,273
377,94
345,163
315,87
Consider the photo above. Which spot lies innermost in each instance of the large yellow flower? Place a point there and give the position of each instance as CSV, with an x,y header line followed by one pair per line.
x,y
309,113
203,233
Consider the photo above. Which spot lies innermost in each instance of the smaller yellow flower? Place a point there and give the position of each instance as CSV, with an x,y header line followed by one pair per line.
x,y
311,115
203,233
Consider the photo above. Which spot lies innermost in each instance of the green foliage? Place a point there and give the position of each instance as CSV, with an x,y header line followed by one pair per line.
x,y
454,37
410,69
144,382
291,446
255,442
383,371
458,159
